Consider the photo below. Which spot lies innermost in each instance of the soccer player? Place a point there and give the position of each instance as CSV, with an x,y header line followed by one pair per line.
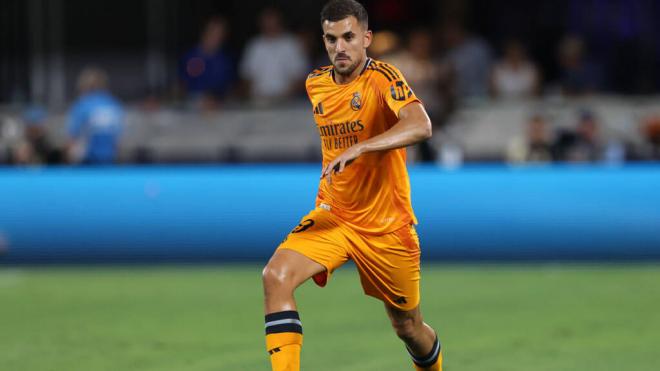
x,y
366,115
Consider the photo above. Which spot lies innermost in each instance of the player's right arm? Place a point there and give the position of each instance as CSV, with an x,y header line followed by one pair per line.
x,y
414,126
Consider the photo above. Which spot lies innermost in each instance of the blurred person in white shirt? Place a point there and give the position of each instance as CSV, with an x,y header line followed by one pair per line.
x,y
514,76
274,64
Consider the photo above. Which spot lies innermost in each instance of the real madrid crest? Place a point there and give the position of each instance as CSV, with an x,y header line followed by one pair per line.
x,y
355,102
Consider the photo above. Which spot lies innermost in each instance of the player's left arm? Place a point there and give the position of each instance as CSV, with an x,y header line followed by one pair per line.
x,y
414,126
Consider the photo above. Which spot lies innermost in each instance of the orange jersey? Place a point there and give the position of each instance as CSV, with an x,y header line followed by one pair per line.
x,y
372,194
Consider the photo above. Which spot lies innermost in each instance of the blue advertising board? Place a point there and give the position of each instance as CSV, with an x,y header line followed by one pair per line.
x,y
242,212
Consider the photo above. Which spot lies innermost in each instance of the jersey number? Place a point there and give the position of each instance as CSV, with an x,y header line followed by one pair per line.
x,y
303,226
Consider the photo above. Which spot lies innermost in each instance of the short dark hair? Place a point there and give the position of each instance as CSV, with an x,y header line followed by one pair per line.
x,y
336,10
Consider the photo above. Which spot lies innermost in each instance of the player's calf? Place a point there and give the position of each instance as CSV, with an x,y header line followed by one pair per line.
x,y
408,331
421,340
431,361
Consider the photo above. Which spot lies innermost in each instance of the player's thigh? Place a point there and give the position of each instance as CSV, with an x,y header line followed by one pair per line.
x,y
389,267
291,268
321,238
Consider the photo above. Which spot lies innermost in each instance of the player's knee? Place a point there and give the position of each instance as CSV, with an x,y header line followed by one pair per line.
x,y
405,329
274,277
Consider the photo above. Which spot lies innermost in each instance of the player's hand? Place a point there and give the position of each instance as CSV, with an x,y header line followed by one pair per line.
x,y
340,162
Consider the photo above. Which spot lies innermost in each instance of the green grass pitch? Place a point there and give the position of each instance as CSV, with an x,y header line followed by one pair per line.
x,y
489,317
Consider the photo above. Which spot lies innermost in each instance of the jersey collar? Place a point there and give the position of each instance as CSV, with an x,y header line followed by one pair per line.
x,y
366,64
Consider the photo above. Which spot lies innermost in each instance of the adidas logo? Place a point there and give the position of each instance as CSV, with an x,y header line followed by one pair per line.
x,y
318,109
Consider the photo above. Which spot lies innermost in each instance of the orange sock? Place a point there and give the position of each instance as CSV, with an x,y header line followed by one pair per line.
x,y
284,340
437,366
431,361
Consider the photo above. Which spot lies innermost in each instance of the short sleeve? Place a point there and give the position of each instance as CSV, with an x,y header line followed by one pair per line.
x,y
312,81
308,90
393,86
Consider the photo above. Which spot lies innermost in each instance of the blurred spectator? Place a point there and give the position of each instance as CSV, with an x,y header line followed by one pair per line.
x,y
535,146
35,148
427,77
207,71
514,76
578,74
423,72
10,134
96,121
274,64
384,43
651,132
471,59
312,46
581,145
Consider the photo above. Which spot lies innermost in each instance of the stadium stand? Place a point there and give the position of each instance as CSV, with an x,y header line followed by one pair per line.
x,y
482,131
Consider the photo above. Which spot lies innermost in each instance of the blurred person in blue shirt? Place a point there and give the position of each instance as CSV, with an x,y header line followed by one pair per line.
x,y
471,58
96,121
580,75
208,71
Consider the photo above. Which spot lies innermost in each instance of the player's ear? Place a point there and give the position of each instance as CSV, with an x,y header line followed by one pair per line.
x,y
368,38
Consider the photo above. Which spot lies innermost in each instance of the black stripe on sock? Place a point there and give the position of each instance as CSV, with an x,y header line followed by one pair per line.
x,y
429,359
287,314
285,327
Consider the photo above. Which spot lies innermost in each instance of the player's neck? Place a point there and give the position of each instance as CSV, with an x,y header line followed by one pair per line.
x,y
347,79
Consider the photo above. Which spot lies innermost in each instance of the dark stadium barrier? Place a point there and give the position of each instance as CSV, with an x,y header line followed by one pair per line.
x,y
233,213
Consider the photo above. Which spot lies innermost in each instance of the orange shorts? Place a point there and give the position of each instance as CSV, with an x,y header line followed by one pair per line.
x,y
388,264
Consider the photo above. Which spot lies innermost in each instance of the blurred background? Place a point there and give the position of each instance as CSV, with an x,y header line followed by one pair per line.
x,y
152,113
148,131
187,82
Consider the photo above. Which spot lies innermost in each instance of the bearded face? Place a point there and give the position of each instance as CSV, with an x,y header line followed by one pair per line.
x,y
346,42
